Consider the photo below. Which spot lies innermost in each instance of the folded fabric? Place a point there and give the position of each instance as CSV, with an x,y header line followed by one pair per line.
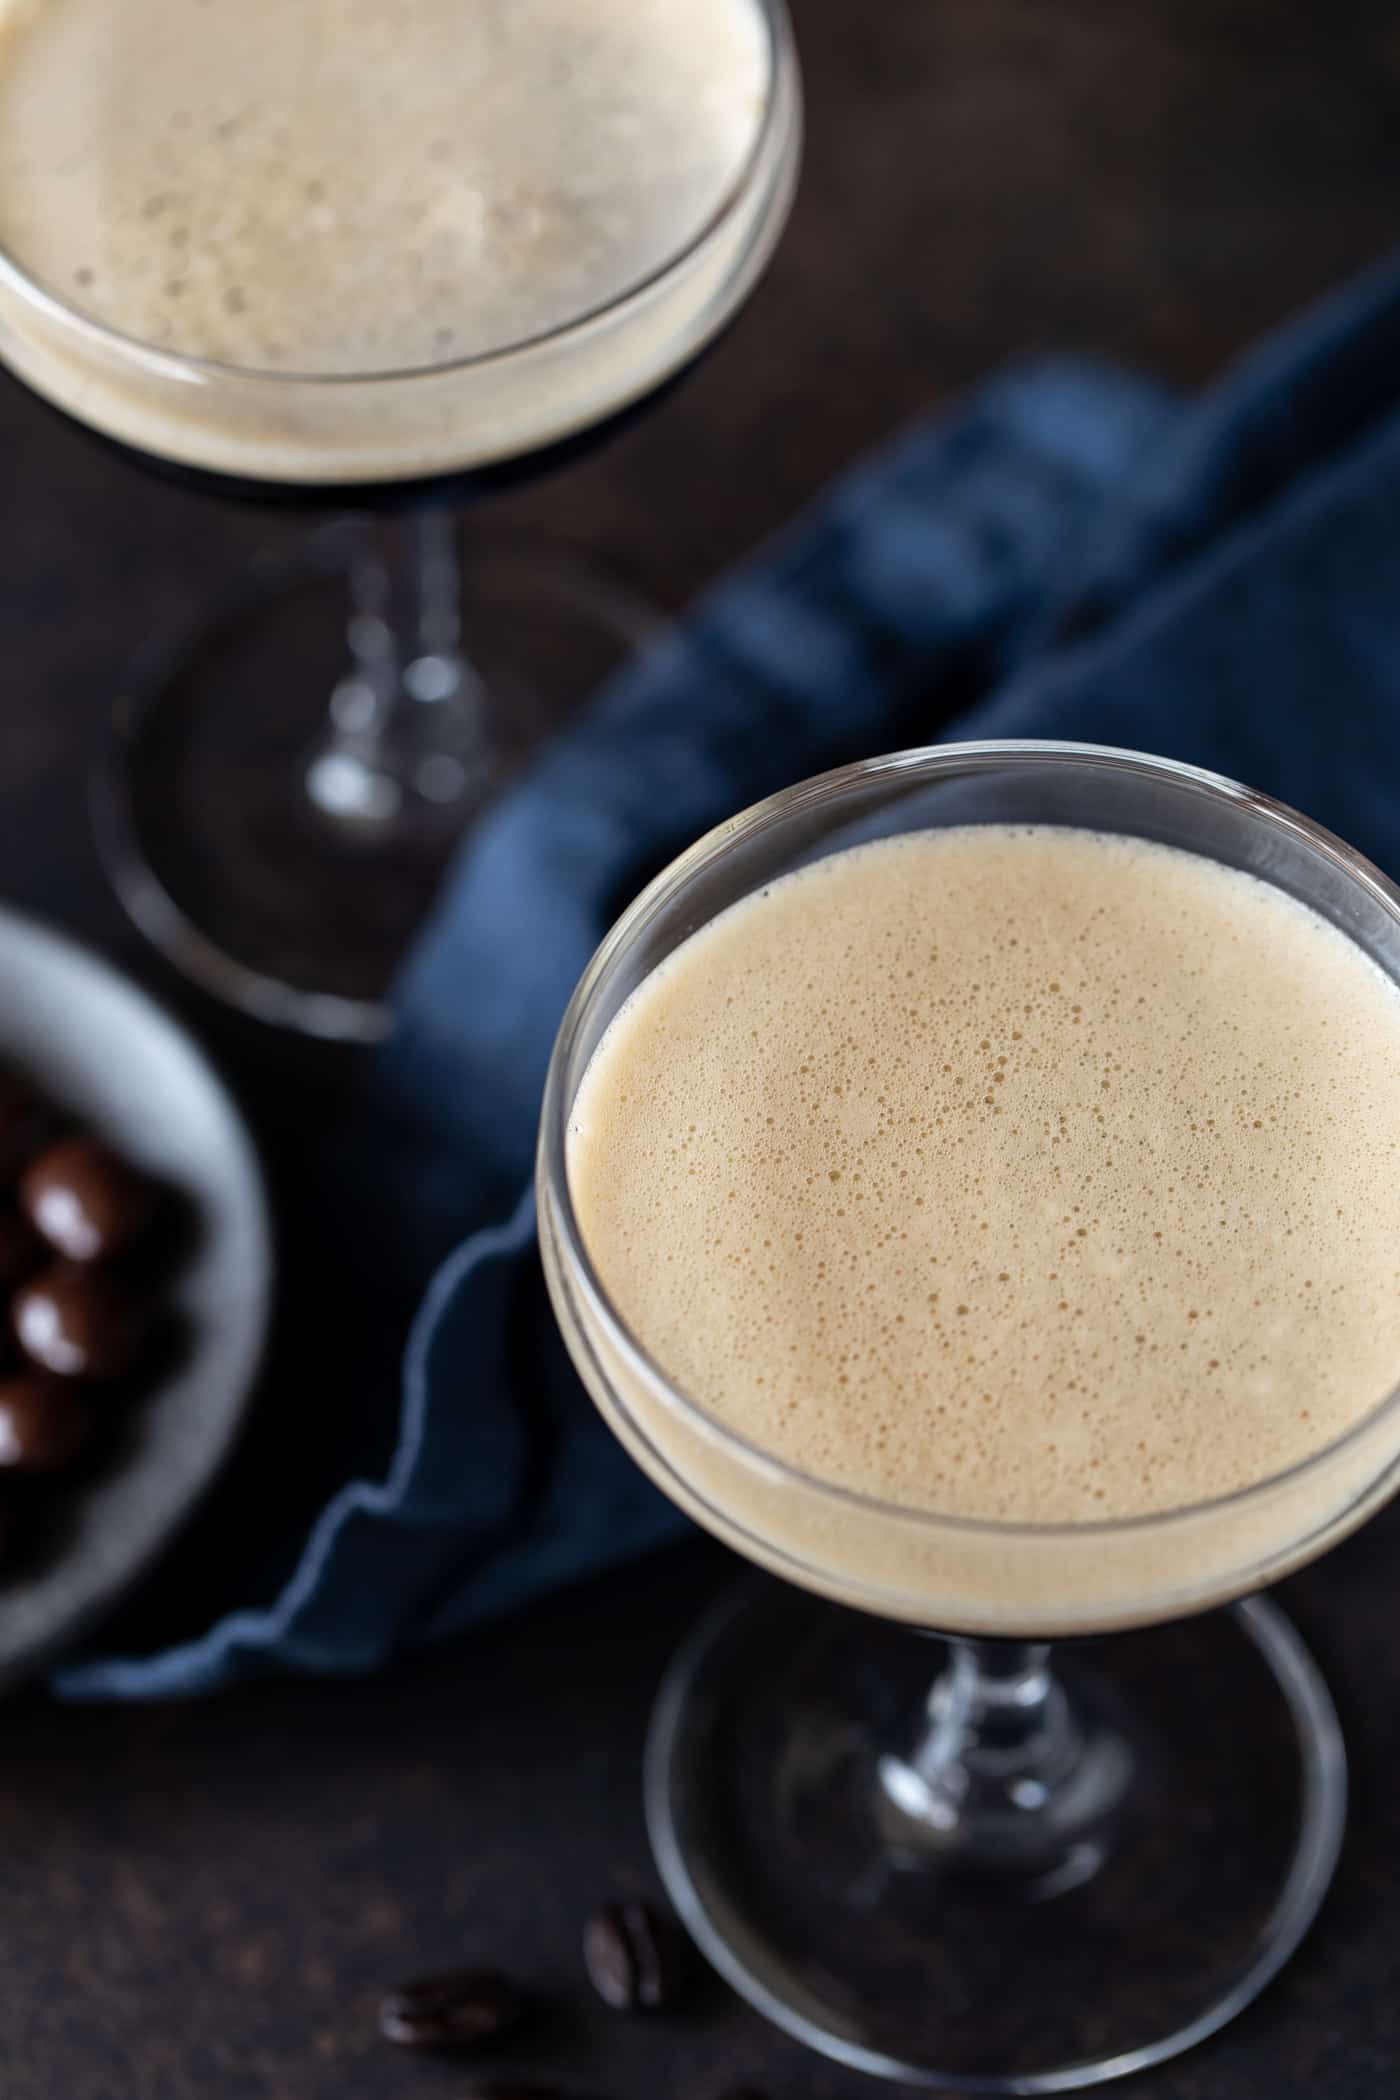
x,y
1073,553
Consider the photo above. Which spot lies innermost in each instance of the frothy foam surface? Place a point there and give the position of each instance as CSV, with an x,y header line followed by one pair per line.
x,y
1008,1173
364,185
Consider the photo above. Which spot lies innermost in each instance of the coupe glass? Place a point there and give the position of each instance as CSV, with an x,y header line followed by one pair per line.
x,y
278,829
951,1857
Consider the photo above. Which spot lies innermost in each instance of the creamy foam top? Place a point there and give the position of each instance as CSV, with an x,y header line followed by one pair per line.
x,y
1012,1173
363,185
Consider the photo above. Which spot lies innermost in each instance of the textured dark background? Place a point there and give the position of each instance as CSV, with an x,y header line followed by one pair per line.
x,y
205,1901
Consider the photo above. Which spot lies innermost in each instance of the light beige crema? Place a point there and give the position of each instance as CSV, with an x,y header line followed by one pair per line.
x,y
1030,1175
362,186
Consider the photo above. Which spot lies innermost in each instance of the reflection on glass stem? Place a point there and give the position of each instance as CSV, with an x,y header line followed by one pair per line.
x,y
1003,1776
406,732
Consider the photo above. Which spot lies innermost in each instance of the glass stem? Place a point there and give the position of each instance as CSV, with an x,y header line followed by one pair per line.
x,y
406,727
437,670
1002,1773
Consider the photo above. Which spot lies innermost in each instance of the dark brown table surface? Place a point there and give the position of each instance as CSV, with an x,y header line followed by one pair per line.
x,y
205,1900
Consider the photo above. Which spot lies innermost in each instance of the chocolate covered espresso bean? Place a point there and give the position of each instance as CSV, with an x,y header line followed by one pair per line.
x,y
78,1323
84,1200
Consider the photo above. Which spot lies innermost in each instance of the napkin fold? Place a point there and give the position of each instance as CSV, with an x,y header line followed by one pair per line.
x,y
1072,552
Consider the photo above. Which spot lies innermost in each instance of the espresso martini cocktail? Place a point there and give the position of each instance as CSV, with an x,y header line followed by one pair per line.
x,y
1015,1175
347,188
381,254
969,1184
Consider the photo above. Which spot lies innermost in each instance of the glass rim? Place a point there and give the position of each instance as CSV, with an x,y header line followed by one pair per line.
x,y
923,762
184,366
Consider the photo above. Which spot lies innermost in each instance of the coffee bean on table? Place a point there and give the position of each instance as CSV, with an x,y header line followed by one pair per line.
x,y
632,1955
455,2010
78,1323
44,1423
87,1203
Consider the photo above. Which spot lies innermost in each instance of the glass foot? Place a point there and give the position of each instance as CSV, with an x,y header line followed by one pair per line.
x,y
798,1832
288,781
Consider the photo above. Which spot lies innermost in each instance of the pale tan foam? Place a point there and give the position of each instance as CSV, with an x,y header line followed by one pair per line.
x,y
364,186
1006,1174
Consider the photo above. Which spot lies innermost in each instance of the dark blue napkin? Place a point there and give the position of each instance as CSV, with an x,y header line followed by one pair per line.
x,y
1072,553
